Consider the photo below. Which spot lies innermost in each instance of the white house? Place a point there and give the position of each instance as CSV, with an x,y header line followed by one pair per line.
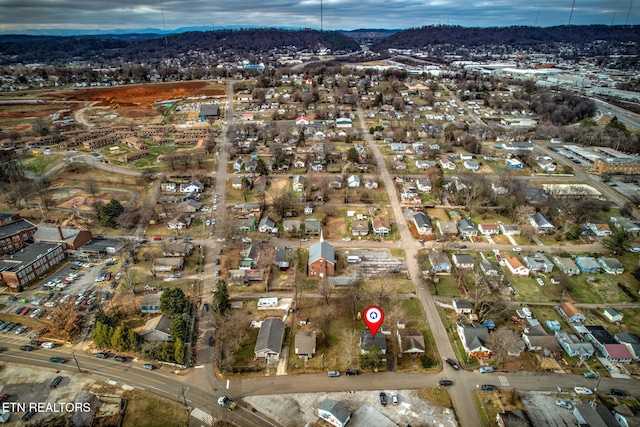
x,y
422,223
471,165
515,267
353,181
423,184
238,164
447,163
613,315
267,225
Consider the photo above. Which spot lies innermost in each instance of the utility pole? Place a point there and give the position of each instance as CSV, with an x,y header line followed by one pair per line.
x,y
76,360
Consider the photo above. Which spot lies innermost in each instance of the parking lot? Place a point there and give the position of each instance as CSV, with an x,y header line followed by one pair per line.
x,y
64,285
376,263
543,411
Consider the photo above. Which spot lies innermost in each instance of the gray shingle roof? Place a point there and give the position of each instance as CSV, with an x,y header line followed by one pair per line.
x,y
270,336
322,249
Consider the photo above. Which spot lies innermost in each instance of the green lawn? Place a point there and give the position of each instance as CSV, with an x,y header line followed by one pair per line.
x,y
39,164
144,410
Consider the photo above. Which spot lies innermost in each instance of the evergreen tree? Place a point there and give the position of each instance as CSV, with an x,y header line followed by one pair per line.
x,y
119,338
372,358
102,335
133,340
179,350
173,302
221,302
179,328
618,241
110,212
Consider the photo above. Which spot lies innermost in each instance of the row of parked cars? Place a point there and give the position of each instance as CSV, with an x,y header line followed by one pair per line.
x,y
7,327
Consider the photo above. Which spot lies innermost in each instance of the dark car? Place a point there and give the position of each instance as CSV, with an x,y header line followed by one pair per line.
x,y
102,355
4,397
618,392
453,363
445,383
383,398
462,247
352,372
57,360
217,261
55,382
219,252
120,359
489,387
210,341
591,375
28,415
394,270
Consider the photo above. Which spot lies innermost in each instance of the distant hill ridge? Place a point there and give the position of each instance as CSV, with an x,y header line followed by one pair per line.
x,y
152,47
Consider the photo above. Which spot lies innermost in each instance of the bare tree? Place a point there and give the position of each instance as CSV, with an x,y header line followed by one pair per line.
x,y
350,349
503,341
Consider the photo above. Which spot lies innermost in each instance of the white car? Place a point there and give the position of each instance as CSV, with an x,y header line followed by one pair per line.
x,y
582,390
49,304
35,301
634,249
48,345
346,239
215,208
516,249
540,281
564,404
208,223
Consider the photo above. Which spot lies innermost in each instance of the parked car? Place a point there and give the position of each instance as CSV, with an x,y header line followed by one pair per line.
x,y
120,359
47,345
618,392
26,348
21,329
582,390
4,397
383,398
352,372
157,238
591,375
444,383
55,382
394,398
334,373
57,360
564,404
462,247
486,369
149,366
28,415
102,355
517,249
489,387
453,363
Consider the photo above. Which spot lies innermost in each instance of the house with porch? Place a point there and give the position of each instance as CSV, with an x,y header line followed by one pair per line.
x,y
422,223
305,344
463,261
466,228
410,341
515,266
474,339
538,263
566,265
269,343
611,265
440,262
574,346
380,226
587,264
571,312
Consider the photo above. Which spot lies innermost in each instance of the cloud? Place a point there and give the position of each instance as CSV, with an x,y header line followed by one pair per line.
x,y
337,14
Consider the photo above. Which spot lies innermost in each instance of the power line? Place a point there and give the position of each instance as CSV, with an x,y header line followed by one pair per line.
x,y
626,22
571,14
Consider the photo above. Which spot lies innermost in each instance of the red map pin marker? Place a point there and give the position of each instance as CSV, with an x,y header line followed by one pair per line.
x,y
373,317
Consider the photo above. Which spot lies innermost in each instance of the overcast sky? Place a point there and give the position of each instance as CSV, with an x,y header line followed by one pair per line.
x,y
22,15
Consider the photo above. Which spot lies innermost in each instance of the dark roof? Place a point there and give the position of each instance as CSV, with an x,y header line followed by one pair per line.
x,y
367,341
27,255
15,227
601,334
627,337
209,110
270,336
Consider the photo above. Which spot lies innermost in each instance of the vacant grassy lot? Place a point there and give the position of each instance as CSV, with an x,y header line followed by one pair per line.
x,y
143,410
39,164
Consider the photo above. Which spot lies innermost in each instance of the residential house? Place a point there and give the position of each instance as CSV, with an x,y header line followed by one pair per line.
x,y
399,165
299,162
305,344
150,303
447,163
541,224
631,341
168,264
566,265
177,249
335,182
538,263
462,306
333,412
611,265
322,259
157,329
514,163
536,338
380,226
625,416
499,189
353,181
249,257
236,182
410,341
600,229
312,227
607,345
267,225
298,183
189,206
515,418
178,223
594,415
367,341
425,164
302,121
238,164
474,339
440,262
571,312
489,269
546,164
447,229
626,224
574,346
168,187
422,223
612,315
269,343
489,229
308,208
360,227
587,264
463,261
510,229
409,190
370,183
423,184
244,225
281,257
515,267
191,187
471,165
466,228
